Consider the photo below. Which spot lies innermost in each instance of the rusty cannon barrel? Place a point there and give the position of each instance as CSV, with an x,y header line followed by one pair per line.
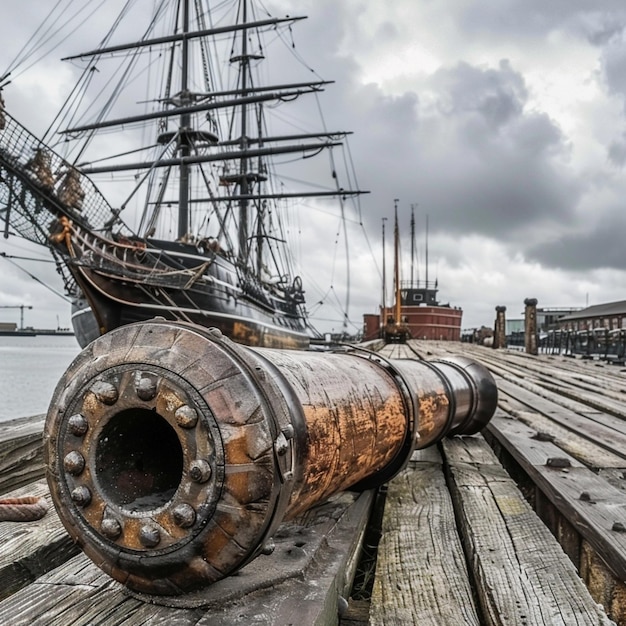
x,y
173,454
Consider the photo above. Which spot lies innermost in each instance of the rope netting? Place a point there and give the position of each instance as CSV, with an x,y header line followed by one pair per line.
x,y
35,183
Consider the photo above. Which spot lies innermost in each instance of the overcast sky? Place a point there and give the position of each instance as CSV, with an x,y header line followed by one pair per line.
x,y
503,121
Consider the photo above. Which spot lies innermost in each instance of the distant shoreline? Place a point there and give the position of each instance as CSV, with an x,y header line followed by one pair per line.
x,y
35,332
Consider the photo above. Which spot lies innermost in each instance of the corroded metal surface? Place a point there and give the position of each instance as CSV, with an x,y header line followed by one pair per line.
x,y
173,454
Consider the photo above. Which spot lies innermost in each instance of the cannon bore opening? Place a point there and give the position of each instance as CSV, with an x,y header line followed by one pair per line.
x,y
139,460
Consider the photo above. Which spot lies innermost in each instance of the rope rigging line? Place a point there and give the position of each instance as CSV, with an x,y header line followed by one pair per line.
x,y
19,267
69,113
50,33
32,45
16,60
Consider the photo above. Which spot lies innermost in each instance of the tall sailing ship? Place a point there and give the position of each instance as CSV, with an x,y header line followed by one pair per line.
x,y
196,161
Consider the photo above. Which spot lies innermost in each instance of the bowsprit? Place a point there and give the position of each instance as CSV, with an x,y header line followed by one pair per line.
x,y
174,454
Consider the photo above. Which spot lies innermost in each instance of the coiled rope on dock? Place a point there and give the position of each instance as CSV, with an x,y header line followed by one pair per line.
x,y
26,509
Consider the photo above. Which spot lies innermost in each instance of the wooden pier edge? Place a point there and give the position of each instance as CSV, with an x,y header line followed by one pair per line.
x,y
561,433
583,526
21,445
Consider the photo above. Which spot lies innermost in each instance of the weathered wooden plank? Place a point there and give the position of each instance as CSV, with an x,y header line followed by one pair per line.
x,y
21,458
421,575
68,595
597,576
21,427
615,477
398,351
590,504
522,576
357,613
537,448
29,549
570,540
593,405
591,429
565,373
593,381
593,385
299,583
581,448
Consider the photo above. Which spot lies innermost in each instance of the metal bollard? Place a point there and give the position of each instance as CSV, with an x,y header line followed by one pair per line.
x,y
174,454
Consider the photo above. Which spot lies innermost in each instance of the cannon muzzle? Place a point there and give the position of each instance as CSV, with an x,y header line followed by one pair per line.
x,y
173,453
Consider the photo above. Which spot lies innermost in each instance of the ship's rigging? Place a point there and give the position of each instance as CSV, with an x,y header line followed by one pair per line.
x,y
206,179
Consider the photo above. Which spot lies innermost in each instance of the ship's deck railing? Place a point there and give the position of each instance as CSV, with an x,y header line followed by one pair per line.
x,y
431,285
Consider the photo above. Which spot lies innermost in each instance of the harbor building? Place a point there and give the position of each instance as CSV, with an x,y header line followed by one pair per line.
x,y
610,316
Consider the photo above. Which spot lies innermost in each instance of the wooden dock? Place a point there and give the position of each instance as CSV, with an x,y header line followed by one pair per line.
x,y
524,524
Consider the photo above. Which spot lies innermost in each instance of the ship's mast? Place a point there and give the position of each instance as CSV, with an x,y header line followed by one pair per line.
x,y
243,164
260,203
193,147
383,314
426,252
396,269
184,131
412,243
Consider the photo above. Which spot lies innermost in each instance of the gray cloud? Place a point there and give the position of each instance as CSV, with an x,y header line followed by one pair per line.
x,y
601,28
614,66
600,246
477,161
496,95
471,138
617,151
531,19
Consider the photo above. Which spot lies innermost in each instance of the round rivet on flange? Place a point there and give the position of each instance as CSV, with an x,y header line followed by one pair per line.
x,y
146,388
111,528
78,425
200,471
186,416
184,515
149,536
105,392
81,496
74,463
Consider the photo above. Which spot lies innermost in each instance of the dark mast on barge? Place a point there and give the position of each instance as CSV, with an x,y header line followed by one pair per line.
x,y
416,312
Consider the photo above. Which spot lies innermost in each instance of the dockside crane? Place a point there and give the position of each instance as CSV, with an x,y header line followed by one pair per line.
x,y
21,307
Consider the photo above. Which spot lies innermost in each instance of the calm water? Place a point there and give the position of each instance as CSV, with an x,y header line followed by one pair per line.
x,y
30,368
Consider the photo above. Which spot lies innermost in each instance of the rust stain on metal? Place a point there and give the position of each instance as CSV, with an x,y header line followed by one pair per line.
x,y
168,401
433,409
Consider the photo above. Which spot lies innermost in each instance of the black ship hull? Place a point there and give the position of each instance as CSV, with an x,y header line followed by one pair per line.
x,y
241,321
84,322
129,281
